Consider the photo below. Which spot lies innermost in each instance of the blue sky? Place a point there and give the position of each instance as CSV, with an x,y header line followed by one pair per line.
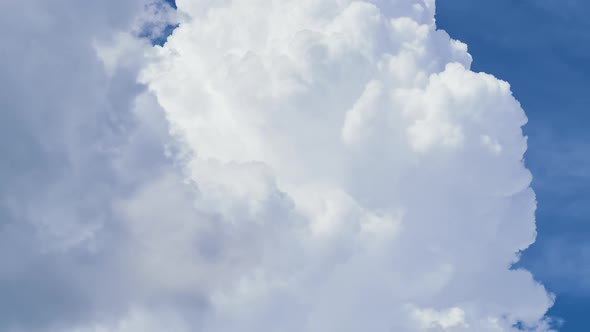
x,y
541,48
171,2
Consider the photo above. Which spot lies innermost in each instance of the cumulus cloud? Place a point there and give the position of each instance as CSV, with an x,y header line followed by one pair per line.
x,y
408,200
305,166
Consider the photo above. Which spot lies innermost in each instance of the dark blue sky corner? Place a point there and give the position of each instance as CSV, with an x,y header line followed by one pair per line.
x,y
172,3
158,32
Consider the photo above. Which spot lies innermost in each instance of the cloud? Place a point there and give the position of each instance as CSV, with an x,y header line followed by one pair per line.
x,y
402,168
76,139
304,166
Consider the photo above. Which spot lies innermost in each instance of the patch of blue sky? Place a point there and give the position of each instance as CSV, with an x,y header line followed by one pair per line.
x,y
160,37
172,3
542,47
157,32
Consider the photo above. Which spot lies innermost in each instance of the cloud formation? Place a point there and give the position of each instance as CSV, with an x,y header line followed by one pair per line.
x,y
356,131
304,166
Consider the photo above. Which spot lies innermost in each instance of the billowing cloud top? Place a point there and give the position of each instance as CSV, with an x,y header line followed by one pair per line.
x,y
333,165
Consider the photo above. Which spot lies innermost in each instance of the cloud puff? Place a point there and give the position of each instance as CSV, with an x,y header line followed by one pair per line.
x,y
331,165
356,133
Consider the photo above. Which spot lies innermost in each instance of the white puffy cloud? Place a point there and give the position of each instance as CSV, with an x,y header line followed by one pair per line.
x,y
356,133
333,165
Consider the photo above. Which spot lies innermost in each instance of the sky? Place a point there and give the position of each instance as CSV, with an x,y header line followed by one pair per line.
x,y
541,48
295,166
